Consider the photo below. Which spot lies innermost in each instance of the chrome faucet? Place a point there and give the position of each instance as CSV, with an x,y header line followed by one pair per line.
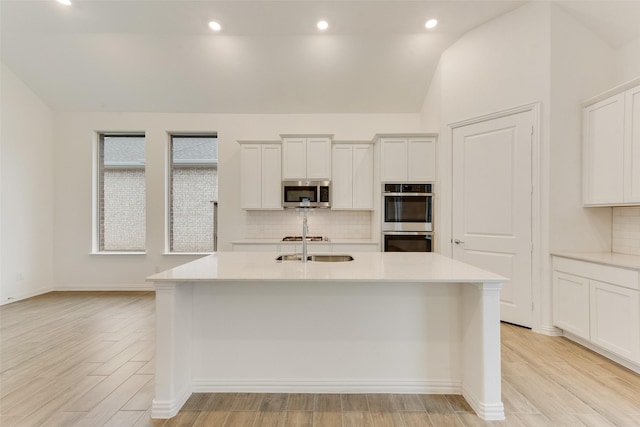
x,y
305,230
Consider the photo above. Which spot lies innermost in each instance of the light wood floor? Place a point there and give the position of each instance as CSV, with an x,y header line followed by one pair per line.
x,y
86,359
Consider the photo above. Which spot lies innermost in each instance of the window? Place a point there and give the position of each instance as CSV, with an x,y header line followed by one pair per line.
x,y
121,193
193,193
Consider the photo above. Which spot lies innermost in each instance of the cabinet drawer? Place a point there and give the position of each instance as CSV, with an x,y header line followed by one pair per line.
x,y
604,273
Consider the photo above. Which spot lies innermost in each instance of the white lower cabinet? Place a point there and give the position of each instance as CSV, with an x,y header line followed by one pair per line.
x,y
600,304
615,319
571,303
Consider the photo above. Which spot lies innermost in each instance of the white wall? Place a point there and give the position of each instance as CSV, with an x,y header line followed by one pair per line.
x,y
76,268
542,60
628,61
582,66
482,73
26,183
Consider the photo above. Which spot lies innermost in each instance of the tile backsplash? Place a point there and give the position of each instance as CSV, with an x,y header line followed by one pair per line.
x,y
322,222
626,230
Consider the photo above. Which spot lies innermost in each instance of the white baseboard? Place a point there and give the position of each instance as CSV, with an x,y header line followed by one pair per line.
x,y
328,386
98,288
32,294
550,331
169,408
622,361
488,412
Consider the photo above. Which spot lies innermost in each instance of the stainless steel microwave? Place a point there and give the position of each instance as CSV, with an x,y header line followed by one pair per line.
x,y
306,194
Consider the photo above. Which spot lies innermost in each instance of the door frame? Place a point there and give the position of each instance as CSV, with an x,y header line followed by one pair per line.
x,y
539,222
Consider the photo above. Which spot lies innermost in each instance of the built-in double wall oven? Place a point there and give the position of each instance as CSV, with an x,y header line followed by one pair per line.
x,y
407,217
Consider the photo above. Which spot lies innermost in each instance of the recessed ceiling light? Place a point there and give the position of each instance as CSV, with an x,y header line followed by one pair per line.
x,y
215,26
323,25
65,2
431,23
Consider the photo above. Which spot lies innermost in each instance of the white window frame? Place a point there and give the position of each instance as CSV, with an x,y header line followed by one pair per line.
x,y
95,193
167,189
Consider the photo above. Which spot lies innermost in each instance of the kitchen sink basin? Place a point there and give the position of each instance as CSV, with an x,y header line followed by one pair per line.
x,y
316,258
330,258
294,257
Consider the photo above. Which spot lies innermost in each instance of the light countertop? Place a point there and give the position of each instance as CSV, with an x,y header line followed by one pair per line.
x,y
607,258
400,267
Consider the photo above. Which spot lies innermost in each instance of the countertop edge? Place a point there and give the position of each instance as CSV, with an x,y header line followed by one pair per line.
x,y
606,258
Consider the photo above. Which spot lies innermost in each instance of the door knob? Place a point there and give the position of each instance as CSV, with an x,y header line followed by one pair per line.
x,y
458,242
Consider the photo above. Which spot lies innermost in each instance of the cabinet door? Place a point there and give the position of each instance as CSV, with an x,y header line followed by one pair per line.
x,y
393,159
251,176
271,173
615,319
318,158
421,159
571,303
342,182
294,158
632,146
603,153
362,176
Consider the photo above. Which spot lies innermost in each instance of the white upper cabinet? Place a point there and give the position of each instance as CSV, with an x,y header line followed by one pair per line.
x,y
306,158
611,150
352,183
408,159
261,169
632,146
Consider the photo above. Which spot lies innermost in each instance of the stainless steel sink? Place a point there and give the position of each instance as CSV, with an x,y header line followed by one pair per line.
x,y
330,258
316,258
294,257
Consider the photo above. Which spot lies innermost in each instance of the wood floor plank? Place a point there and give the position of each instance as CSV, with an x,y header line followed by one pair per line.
x,y
299,419
94,396
211,419
301,402
274,402
357,419
354,402
271,419
124,418
408,402
417,419
381,403
327,419
247,402
441,419
328,403
240,419
387,419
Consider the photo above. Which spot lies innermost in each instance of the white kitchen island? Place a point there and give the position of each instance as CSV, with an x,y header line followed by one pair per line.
x,y
382,323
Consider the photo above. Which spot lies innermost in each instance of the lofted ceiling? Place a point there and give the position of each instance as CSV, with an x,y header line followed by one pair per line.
x,y
161,56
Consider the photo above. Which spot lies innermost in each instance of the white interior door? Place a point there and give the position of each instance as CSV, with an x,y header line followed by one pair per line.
x,y
491,212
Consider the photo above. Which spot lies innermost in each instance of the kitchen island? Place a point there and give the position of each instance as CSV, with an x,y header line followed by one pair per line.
x,y
382,323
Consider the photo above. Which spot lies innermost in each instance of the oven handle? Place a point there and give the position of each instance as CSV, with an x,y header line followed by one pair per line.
x,y
407,194
408,233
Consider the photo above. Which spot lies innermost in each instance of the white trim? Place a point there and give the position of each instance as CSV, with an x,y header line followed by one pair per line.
x,y
613,91
550,331
11,299
105,287
327,386
188,253
95,194
488,412
169,408
635,367
118,253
